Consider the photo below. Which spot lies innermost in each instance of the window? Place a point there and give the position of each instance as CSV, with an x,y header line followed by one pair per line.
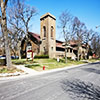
x,y
29,44
44,30
52,48
44,50
70,50
67,49
52,29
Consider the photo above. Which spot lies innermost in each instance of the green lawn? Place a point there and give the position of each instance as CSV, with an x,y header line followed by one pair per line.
x,y
38,64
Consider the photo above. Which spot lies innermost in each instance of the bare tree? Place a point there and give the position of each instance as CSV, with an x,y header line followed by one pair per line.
x,y
3,5
88,35
79,32
87,38
65,25
19,18
95,44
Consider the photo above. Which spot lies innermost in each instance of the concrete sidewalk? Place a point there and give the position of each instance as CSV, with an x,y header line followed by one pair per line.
x,y
26,70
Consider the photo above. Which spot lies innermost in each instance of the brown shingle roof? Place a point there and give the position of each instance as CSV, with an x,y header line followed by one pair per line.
x,y
37,36
58,43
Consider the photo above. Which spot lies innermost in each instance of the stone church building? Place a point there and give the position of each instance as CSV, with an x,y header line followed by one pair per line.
x,y
46,43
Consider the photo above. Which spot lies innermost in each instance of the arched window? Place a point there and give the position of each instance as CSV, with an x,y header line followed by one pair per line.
x,y
29,44
52,48
44,31
52,29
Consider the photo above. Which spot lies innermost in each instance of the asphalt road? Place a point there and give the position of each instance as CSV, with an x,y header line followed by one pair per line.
x,y
82,83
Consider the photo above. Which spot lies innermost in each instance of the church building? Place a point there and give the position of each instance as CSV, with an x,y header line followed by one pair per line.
x,y
46,43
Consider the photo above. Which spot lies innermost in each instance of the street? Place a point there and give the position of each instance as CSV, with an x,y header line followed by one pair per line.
x,y
82,83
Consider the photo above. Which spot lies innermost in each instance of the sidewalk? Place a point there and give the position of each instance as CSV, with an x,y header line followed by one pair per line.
x,y
26,70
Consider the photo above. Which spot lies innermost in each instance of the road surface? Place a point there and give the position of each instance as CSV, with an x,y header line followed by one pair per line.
x,y
82,83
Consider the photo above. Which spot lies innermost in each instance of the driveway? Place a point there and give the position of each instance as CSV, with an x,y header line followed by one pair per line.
x,y
81,83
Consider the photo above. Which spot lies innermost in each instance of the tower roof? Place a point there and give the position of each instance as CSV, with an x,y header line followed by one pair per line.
x,y
46,15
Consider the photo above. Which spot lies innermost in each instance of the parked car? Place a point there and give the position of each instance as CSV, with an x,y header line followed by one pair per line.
x,y
14,57
3,57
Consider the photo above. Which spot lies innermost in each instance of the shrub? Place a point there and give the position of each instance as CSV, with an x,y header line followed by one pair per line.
x,y
18,62
41,56
32,65
62,60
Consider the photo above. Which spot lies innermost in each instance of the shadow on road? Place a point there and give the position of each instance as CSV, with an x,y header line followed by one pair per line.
x,y
97,71
94,63
79,90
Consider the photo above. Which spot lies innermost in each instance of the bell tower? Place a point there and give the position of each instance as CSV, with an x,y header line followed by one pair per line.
x,y
48,35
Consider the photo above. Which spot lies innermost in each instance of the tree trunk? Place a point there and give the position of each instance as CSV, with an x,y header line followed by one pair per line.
x,y
19,53
65,55
78,55
8,55
26,39
19,50
5,34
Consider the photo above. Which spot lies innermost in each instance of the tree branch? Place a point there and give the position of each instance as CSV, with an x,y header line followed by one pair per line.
x,y
6,2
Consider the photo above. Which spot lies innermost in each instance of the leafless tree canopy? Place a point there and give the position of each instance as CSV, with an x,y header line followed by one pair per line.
x,y
65,26
73,28
19,16
79,29
95,44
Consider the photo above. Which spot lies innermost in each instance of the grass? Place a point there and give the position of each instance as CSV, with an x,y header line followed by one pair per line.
x,y
4,69
38,64
94,60
22,61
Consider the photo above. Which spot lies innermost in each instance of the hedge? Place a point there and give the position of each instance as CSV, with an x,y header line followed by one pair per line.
x,y
41,56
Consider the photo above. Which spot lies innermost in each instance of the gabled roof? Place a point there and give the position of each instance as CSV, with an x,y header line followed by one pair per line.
x,y
36,36
73,43
59,44
46,15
